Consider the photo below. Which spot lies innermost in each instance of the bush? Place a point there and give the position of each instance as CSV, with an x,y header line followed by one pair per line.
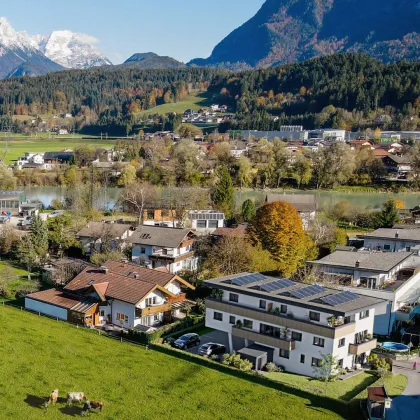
x,y
271,367
372,358
236,361
380,364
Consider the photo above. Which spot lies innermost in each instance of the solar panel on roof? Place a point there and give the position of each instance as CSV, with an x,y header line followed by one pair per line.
x,y
276,285
339,298
248,279
307,291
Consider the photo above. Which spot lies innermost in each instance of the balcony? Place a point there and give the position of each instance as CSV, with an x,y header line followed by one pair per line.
x,y
292,323
152,310
358,349
180,298
280,343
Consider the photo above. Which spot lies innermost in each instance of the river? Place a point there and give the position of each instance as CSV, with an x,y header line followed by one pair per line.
x,y
325,199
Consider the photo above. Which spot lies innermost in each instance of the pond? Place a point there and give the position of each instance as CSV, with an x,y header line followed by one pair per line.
x,y
325,199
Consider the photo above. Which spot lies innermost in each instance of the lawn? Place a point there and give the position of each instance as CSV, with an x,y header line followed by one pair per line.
x,y
195,102
18,148
342,390
39,354
21,280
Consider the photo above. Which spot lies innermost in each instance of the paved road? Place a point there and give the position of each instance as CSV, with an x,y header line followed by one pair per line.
x,y
407,405
215,336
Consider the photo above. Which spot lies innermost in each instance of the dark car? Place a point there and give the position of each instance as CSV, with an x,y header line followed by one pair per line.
x,y
210,349
186,341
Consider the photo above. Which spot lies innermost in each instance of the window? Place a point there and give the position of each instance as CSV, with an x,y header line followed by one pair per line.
x,y
340,363
122,317
284,353
283,309
387,247
102,313
263,304
315,361
201,224
142,250
248,324
151,301
218,316
349,319
341,342
319,342
408,248
213,224
314,316
270,330
232,320
296,336
302,358
233,297
364,314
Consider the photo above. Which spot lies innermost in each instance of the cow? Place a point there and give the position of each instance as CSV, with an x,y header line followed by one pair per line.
x,y
75,397
52,398
92,405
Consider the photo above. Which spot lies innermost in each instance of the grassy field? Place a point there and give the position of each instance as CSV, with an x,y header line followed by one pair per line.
x,y
342,390
38,355
17,148
195,102
21,280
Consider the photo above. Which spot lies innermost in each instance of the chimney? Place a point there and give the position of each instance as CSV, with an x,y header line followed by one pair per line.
x,y
357,264
124,260
104,269
396,234
136,275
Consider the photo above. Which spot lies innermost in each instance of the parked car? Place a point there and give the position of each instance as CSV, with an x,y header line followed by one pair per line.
x,y
4,219
209,349
186,341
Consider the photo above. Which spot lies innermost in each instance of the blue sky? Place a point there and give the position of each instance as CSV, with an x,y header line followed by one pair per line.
x,y
183,29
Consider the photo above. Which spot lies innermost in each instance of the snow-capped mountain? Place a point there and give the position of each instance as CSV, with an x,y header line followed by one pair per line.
x,y
71,50
19,54
22,54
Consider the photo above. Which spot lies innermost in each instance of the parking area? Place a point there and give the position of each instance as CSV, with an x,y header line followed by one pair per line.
x,y
215,336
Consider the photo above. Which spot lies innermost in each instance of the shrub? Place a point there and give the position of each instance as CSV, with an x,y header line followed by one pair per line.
x,y
372,358
271,367
236,361
380,364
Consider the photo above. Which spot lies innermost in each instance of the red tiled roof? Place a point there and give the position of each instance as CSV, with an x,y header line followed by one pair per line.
x,y
127,282
380,153
54,297
377,393
238,232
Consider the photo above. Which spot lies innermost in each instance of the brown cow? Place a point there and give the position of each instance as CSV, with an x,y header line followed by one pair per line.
x,y
92,405
52,398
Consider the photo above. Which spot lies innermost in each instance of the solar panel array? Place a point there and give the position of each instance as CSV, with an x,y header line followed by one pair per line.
x,y
308,291
339,298
277,284
250,278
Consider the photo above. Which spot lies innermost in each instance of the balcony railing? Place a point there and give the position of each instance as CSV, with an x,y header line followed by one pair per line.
x,y
363,347
152,310
179,298
281,343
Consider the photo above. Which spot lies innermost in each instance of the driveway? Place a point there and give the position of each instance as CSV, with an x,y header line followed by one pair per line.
x,y
215,336
407,405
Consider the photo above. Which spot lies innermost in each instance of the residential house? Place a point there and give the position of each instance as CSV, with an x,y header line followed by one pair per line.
x,y
10,201
392,240
58,157
206,221
118,293
95,236
397,164
291,324
305,204
238,149
394,277
165,248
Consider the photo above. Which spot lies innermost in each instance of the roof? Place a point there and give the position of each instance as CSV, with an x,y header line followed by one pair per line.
x,y
400,159
376,261
159,236
238,232
58,155
10,195
54,297
377,393
395,234
286,293
98,229
123,281
255,351
302,202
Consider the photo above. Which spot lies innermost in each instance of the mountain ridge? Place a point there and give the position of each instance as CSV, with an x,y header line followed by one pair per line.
x,y
286,31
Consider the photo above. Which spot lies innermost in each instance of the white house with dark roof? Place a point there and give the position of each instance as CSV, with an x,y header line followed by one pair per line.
x,y
305,204
394,277
291,324
392,240
164,248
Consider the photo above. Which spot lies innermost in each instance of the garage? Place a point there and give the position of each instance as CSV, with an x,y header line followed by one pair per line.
x,y
258,355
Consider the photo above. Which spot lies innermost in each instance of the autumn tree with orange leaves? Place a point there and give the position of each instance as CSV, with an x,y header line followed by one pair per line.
x,y
278,229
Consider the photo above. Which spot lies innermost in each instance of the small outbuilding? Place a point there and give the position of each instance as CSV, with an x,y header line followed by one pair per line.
x,y
377,402
258,355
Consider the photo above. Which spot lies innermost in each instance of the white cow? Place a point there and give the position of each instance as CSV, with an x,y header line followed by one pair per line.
x,y
75,397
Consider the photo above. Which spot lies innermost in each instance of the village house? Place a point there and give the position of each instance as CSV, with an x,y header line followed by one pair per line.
x,y
394,277
397,164
118,293
291,324
206,221
170,249
96,236
305,204
392,240
10,202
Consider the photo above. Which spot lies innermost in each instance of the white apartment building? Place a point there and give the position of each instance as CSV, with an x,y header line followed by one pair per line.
x,y
291,324
392,276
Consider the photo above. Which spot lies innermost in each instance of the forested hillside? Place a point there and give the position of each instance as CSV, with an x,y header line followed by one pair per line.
x,y
343,90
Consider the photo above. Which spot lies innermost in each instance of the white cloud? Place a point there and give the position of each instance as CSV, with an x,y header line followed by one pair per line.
x,y
87,39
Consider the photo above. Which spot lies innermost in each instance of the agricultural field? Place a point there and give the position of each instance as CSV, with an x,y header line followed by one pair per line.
x,y
17,147
39,354
195,102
